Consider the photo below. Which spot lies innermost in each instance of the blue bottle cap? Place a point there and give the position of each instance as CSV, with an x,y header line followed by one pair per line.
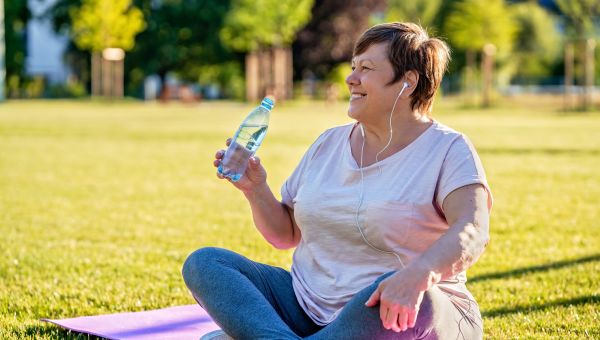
x,y
267,103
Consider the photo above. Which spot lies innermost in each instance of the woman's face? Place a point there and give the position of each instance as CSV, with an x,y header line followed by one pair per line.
x,y
370,96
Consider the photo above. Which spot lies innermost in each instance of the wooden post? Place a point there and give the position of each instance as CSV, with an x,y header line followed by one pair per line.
x,y
112,72
569,66
112,77
119,79
470,86
279,73
96,74
106,81
580,51
266,83
262,74
289,73
252,76
487,69
588,99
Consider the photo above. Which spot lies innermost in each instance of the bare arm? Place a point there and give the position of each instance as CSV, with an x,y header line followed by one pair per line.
x,y
400,295
272,218
467,213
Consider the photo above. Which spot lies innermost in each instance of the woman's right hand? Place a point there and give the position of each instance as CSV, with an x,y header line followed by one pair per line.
x,y
255,174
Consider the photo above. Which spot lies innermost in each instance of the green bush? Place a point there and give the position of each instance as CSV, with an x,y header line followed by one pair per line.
x,y
69,90
228,77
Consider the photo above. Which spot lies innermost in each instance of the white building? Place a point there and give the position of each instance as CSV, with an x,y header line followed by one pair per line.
x,y
45,48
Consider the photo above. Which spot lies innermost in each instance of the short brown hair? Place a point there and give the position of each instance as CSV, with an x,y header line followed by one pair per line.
x,y
410,48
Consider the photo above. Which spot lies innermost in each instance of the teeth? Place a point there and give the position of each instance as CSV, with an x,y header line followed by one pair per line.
x,y
357,95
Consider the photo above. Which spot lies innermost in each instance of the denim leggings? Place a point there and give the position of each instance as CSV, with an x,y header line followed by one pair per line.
x,y
251,300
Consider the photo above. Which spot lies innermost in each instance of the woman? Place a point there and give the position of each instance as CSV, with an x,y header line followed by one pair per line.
x,y
386,214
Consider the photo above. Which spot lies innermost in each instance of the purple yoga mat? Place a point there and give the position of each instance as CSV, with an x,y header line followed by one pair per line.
x,y
181,322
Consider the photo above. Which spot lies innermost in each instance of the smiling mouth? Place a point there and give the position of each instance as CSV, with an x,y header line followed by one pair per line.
x,y
356,96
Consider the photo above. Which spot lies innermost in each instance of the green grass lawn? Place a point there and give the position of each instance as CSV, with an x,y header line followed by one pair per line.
x,y
101,203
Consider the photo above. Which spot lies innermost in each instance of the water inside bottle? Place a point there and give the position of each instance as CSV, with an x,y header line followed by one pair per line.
x,y
251,135
245,143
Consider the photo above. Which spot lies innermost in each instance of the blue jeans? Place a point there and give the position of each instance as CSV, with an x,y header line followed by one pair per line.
x,y
251,300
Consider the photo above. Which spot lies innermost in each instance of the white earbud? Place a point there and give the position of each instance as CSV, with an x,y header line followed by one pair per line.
x,y
405,85
362,131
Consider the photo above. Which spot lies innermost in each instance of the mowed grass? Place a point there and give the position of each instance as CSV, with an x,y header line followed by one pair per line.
x,y
101,203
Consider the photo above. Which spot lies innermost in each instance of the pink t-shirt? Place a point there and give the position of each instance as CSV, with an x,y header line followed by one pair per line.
x,y
401,211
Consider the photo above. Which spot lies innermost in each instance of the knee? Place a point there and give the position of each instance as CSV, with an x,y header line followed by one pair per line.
x,y
430,305
199,263
437,315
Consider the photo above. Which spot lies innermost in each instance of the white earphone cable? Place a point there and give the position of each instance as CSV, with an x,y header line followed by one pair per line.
x,y
405,85
362,179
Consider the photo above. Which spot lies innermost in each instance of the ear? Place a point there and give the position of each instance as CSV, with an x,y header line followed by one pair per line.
x,y
412,78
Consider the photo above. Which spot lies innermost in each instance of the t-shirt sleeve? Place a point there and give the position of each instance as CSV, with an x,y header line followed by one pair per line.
x,y
461,167
290,187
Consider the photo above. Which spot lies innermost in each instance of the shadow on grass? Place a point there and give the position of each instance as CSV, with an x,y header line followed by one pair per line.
x,y
543,151
535,269
578,301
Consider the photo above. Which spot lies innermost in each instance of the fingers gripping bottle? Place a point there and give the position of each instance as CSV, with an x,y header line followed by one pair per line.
x,y
246,141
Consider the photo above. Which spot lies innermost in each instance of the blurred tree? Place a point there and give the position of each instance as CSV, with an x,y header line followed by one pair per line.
x,y
475,24
77,59
252,25
328,39
446,8
580,16
16,15
59,13
266,29
98,25
423,12
537,44
182,37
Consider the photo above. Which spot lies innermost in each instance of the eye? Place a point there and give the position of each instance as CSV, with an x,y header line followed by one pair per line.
x,y
365,68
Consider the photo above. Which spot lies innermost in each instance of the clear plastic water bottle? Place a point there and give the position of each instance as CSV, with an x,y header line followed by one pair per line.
x,y
246,141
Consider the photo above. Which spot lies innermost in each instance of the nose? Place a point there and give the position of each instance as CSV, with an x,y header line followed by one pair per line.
x,y
352,79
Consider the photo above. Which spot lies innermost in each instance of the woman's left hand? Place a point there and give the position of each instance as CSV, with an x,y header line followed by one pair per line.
x,y
400,295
